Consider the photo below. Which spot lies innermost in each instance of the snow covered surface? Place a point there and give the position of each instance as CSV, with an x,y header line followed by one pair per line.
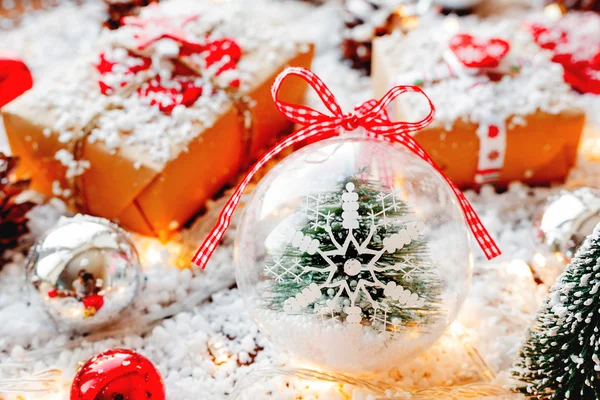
x,y
208,342
538,87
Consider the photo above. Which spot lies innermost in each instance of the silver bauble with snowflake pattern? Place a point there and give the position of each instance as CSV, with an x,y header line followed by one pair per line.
x,y
353,255
84,273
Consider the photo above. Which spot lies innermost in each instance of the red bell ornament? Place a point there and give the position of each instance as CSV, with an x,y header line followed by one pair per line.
x,y
15,77
118,374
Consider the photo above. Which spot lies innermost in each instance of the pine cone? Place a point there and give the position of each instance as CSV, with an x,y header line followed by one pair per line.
x,y
13,219
118,9
366,20
583,5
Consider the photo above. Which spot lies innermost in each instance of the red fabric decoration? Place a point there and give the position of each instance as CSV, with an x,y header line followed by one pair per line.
x,y
15,77
475,53
106,67
181,88
179,91
226,51
576,51
118,374
584,79
94,301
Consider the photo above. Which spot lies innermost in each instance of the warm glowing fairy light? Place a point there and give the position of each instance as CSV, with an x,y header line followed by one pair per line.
x,y
319,386
451,24
539,260
519,268
458,332
43,385
75,312
153,255
554,11
590,148
218,350
173,253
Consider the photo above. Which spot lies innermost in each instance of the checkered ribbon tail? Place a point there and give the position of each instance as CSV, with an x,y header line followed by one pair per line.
x,y
370,116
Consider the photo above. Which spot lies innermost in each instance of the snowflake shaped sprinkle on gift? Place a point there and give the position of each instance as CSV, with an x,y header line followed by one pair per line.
x,y
359,258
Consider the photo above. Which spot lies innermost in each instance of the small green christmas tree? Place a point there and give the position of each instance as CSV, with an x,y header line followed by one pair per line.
x,y
357,256
560,358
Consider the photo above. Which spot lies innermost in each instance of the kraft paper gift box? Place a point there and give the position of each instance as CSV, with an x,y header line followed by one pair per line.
x,y
514,121
132,146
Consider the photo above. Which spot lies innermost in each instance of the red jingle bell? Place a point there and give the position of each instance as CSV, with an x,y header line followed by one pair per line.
x,y
15,77
118,374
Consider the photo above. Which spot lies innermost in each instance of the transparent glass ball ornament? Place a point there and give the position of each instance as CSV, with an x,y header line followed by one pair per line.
x,y
83,272
353,255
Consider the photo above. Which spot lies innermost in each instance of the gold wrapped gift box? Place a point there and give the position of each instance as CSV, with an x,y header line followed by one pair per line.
x,y
540,149
126,184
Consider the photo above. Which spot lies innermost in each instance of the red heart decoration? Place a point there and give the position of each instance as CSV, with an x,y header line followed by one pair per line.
x,y
475,53
15,77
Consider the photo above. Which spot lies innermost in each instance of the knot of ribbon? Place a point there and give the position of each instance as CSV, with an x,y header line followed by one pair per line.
x,y
350,122
372,117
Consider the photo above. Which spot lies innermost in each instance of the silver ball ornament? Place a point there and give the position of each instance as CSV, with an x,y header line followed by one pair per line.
x,y
84,272
565,222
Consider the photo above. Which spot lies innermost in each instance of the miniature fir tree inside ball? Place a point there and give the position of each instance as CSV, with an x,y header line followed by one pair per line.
x,y
353,255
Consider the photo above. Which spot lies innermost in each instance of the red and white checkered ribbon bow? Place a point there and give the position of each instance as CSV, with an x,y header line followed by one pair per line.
x,y
372,117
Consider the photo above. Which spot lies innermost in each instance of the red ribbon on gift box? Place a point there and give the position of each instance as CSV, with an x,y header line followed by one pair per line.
x,y
15,77
182,88
573,46
372,117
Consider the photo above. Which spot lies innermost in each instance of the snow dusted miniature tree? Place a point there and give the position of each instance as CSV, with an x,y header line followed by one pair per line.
x,y
359,258
560,359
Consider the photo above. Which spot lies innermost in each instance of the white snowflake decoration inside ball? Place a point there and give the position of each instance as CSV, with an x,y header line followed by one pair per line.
x,y
353,290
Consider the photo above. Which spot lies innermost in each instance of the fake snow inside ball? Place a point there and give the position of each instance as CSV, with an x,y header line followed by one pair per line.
x,y
353,255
